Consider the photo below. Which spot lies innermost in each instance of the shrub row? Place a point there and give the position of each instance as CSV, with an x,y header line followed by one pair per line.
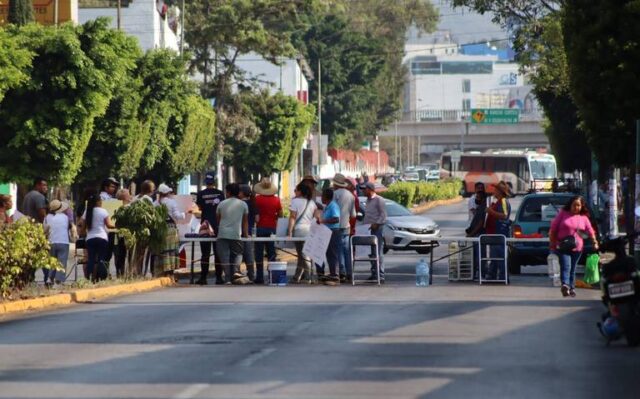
x,y
409,193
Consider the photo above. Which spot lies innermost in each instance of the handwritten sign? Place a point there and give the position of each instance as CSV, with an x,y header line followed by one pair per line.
x,y
317,243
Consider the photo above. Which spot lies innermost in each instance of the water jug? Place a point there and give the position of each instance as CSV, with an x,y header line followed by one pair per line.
x,y
553,269
422,273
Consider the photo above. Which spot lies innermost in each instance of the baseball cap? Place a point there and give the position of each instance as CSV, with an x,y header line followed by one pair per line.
x,y
370,186
164,189
209,178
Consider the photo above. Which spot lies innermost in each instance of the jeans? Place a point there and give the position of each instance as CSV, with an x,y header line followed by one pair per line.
x,y
345,255
378,234
568,262
97,252
205,250
248,256
60,252
120,252
271,251
496,267
230,255
333,254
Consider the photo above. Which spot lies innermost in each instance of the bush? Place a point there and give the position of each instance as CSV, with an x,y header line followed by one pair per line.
x,y
23,249
409,193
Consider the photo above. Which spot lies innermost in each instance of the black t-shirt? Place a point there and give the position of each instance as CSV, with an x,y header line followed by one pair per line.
x,y
208,200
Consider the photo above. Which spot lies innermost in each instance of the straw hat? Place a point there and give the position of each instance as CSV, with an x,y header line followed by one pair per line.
x,y
339,180
265,187
58,206
503,188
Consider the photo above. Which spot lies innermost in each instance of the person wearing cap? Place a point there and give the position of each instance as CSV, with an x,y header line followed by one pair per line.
x,y
108,188
498,223
167,260
233,221
375,215
208,200
347,203
248,254
57,226
268,210
331,218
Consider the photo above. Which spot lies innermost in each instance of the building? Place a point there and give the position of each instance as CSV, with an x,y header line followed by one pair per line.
x,y
152,22
291,76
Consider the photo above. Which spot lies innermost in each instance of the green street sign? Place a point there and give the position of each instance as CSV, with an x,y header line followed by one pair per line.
x,y
495,116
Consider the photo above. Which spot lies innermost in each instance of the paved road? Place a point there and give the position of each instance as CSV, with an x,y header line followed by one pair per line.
x,y
451,340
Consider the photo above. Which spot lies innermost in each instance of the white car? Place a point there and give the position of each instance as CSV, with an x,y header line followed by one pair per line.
x,y
404,230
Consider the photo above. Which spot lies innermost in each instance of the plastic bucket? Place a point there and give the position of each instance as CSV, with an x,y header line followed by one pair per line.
x,y
278,273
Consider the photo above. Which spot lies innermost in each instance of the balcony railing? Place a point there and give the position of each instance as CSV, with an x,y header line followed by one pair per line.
x,y
457,115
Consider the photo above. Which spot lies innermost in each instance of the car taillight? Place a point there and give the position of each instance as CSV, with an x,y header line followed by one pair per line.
x,y
517,231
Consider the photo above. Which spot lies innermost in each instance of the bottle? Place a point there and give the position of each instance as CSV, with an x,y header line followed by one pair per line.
x,y
553,269
422,273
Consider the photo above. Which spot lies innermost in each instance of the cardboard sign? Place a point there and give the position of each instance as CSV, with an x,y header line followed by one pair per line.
x,y
317,243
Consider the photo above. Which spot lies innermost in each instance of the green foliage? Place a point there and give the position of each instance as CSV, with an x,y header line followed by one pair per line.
x,y
603,49
47,122
142,224
20,12
409,193
15,62
283,123
23,249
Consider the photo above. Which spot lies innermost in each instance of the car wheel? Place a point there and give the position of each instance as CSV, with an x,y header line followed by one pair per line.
x,y
423,251
515,264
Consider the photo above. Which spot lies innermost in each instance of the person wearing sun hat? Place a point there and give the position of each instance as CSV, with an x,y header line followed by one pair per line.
x,y
498,223
268,210
57,226
347,203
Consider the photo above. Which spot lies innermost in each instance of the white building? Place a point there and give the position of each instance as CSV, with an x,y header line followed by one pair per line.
x,y
153,23
288,77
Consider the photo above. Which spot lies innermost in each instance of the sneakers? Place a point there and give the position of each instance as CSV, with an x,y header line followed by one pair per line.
x,y
332,281
572,293
565,290
201,281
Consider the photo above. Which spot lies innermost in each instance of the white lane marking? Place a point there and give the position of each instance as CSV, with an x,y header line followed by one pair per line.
x,y
191,391
256,356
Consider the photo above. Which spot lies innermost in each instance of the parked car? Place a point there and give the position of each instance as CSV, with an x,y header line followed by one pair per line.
x,y
411,176
533,220
404,230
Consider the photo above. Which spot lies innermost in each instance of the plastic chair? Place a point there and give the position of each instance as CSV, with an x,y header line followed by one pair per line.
x,y
368,241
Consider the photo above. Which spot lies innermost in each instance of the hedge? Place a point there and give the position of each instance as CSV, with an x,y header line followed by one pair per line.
x,y
409,193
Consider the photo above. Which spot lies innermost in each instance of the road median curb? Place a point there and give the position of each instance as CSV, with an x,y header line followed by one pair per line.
x,y
84,295
425,206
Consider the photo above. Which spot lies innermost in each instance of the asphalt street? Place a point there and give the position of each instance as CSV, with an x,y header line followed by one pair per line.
x,y
450,340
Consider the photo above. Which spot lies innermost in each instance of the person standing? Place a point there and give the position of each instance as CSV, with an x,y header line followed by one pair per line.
x,y
331,218
35,202
268,210
565,239
208,201
5,205
97,221
57,225
120,250
108,188
248,254
301,215
345,200
477,226
497,222
376,216
167,260
472,204
233,223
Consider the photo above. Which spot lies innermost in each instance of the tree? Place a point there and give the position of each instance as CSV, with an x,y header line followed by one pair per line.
x,y
47,122
20,12
601,42
15,62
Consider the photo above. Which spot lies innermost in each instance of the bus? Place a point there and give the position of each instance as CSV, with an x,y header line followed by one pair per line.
x,y
523,171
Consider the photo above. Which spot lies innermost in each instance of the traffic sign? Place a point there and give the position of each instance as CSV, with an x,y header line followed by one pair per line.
x,y
455,156
495,116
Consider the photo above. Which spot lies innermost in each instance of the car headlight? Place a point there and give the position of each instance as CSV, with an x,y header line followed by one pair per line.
x,y
392,227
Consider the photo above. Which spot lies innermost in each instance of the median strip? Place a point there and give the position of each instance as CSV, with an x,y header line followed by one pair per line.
x,y
83,295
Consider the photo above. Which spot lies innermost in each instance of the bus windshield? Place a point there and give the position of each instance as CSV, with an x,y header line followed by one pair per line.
x,y
543,169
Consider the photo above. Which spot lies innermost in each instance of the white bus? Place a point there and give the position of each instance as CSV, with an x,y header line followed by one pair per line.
x,y
521,170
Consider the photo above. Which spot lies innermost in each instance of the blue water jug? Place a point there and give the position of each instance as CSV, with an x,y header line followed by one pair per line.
x,y
422,273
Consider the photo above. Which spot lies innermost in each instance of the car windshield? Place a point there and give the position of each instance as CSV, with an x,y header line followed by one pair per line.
x,y
543,169
412,176
395,209
532,209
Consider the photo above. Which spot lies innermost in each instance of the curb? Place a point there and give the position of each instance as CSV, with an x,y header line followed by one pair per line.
x,y
425,206
85,295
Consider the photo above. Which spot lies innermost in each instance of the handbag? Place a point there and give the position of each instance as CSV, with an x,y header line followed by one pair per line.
x,y
205,230
567,244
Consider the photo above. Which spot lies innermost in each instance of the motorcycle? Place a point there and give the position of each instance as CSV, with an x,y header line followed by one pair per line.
x,y
620,286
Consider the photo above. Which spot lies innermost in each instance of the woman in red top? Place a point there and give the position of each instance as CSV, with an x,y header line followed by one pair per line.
x,y
498,223
268,210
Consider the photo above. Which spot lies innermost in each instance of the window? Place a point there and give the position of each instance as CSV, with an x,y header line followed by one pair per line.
x,y
466,164
466,86
466,104
467,67
446,162
425,68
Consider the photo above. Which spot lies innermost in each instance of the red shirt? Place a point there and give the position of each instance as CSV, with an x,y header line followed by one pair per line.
x,y
490,224
268,207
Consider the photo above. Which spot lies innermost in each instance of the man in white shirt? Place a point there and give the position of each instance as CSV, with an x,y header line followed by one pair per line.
x,y
472,200
108,189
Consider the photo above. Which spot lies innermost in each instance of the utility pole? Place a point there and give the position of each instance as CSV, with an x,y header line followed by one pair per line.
x,y
56,12
181,29
119,14
319,113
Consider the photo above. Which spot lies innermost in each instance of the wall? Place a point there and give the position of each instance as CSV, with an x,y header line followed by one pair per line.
x,y
287,77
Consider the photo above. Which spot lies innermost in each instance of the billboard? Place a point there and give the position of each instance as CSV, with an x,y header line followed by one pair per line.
x,y
44,11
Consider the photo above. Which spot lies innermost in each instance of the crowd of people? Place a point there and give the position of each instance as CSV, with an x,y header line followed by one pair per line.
x,y
240,211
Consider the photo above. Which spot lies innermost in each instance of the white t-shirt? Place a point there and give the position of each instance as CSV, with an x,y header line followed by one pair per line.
x,y
58,228
98,228
172,207
472,206
306,218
